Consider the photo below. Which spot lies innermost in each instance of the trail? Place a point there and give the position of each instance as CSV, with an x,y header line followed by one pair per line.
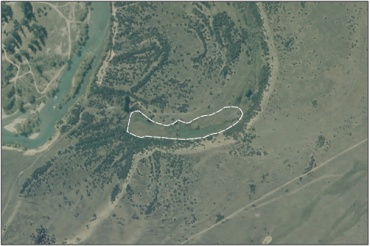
x,y
68,21
185,122
43,148
11,191
299,189
103,69
275,199
4,115
102,213
271,192
34,79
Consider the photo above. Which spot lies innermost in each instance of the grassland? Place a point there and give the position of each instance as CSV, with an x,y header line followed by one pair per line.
x,y
296,175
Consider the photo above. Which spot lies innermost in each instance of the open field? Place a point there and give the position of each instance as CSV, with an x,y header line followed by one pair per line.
x,y
294,170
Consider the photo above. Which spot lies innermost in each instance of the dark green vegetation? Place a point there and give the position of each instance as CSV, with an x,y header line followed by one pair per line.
x,y
219,217
28,11
187,59
116,190
15,41
42,236
101,153
36,175
28,126
127,104
149,195
320,141
187,52
311,164
6,12
80,76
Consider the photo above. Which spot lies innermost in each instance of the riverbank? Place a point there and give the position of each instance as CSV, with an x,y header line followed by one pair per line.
x,y
40,149
115,23
103,68
11,127
53,112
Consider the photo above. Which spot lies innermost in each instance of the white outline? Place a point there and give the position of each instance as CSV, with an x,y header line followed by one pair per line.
x,y
205,115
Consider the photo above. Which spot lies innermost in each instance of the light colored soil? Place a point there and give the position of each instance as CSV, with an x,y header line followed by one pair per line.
x,y
11,127
103,68
40,149
34,135
68,22
58,49
44,147
4,115
267,240
115,23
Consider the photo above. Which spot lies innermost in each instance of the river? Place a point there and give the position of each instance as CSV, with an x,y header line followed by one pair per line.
x,y
50,114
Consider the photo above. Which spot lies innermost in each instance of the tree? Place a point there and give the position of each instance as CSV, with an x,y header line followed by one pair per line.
x,y
252,188
16,26
42,236
11,92
6,12
32,99
35,43
219,217
53,63
32,48
116,190
8,72
8,104
9,45
249,93
39,69
25,23
127,104
320,141
21,107
17,37
25,54
28,10
40,32
18,57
